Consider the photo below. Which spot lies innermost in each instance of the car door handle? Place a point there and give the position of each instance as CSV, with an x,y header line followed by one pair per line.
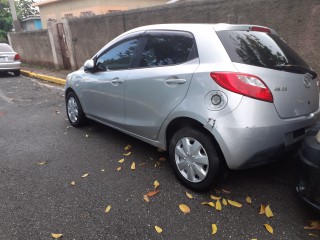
x,y
175,81
116,81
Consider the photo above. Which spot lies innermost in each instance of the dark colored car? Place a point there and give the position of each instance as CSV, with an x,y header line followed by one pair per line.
x,y
308,183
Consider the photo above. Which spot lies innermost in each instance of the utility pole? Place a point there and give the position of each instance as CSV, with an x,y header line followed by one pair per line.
x,y
15,21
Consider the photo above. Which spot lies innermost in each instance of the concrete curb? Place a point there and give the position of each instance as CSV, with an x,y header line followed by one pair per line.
x,y
44,77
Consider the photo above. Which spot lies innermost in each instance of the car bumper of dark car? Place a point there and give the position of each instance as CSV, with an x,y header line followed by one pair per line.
x,y
308,176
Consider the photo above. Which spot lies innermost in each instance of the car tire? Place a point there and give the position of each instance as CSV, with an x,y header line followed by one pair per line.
x,y
16,73
194,158
74,110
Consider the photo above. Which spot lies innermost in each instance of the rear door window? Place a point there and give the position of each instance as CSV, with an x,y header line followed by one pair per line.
x,y
5,48
259,49
164,48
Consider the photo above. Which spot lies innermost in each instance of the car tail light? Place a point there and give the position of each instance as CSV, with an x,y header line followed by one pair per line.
x,y
244,84
17,57
261,29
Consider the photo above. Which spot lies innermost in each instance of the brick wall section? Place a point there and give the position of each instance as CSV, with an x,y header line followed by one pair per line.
x,y
295,20
34,47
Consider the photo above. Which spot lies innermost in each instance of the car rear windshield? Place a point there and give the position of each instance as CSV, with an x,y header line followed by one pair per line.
x,y
259,49
5,48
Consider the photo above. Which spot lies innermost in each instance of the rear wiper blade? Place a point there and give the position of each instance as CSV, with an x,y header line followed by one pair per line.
x,y
296,69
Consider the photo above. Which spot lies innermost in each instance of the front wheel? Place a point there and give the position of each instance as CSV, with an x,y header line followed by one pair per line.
x,y
74,110
194,158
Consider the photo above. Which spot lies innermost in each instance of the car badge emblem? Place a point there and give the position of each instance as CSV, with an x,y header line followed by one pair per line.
x,y
307,81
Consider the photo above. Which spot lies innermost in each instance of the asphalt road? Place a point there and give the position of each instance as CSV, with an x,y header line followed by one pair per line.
x,y
37,200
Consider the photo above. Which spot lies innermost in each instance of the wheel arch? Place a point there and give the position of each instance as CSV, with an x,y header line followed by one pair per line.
x,y
182,122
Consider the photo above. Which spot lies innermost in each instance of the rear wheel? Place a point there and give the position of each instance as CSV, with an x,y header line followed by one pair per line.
x,y
194,158
74,110
16,73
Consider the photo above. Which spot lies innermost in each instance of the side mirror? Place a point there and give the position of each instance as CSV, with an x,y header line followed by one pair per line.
x,y
88,65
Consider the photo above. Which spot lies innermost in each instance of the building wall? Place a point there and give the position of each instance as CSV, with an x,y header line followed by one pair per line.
x,y
59,9
297,23
34,47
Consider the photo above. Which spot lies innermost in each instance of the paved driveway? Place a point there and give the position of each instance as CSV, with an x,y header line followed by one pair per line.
x,y
37,200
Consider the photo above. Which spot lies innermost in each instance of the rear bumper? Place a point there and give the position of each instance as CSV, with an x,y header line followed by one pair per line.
x,y
10,66
254,135
308,175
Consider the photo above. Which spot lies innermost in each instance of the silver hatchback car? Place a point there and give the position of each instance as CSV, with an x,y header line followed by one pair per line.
x,y
213,95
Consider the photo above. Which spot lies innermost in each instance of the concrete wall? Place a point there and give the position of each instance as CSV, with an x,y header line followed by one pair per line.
x,y
34,47
295,20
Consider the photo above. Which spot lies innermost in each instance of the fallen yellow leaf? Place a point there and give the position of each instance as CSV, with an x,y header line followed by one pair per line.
x,y
162,159
248,200
156,184
208,203
85,175
214,197
268,211
269,228
145,198
214,229
315,223
218,205
224,202
225,191
184,208
158,229
141,164
189,195
73,183
262,209
133,166
127,147
56,235
107,209
41,163
119,169
127,154
313,235
121,160
234,203
152,193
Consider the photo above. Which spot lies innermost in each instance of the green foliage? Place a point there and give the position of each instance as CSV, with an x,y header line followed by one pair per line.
x,y
23,7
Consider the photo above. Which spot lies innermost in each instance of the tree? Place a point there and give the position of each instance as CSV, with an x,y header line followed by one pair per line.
x,y
24,9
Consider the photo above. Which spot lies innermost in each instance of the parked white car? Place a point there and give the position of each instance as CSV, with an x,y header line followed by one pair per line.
x,y
9,60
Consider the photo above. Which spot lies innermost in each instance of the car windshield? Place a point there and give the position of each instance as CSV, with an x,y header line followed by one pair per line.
x,y
260,49
5,48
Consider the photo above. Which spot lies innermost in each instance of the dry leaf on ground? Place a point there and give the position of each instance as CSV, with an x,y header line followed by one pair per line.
x,y
127,147
141,164
224,202
87,135
156,184
214,197
262,209
184,208
119,169
73,183
102,170
133,166
41,163
225,191
269,228
56,235
218,205
145,198
248,200
313,235
189,195
152,193
214,229
314,225
85,175
268,212
107,209
208,203
234,203
121,160
127,154
158,229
